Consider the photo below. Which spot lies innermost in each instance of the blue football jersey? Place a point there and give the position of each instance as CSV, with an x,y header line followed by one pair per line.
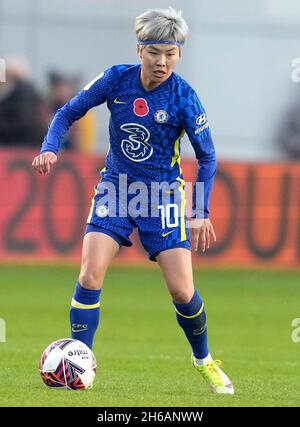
x,y
145,127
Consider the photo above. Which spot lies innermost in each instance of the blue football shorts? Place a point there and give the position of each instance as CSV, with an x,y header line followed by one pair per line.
x,y
159,216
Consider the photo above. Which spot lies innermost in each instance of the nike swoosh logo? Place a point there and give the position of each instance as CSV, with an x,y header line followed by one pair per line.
x,y
165,234
116,101
79,330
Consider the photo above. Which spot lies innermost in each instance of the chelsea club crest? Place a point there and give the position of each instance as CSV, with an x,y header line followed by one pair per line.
x,y
161,116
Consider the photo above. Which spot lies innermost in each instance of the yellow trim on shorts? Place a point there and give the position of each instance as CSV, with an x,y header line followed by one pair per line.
x,y
176,159
92,206
182,209
193,316
93,200
84,306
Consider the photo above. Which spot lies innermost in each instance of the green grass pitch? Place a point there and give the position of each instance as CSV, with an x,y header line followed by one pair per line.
x,y
143,357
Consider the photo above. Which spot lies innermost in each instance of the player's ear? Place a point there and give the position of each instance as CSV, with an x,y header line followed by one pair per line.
x,y
138,50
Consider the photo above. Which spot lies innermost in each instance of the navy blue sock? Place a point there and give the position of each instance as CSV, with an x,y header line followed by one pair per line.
x,y
192,318
85,314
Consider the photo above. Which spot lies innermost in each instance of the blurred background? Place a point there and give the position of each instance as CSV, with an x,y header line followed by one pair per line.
x,y
243,60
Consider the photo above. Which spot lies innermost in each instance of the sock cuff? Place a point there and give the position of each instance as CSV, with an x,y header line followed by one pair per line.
x,y
83,296
192,309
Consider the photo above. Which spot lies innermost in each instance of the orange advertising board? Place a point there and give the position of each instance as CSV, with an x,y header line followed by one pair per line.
x,y
255,210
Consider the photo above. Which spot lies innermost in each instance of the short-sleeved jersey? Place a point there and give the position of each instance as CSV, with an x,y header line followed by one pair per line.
x,y
145,126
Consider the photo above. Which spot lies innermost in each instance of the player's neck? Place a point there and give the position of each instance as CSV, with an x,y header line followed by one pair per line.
x,y
147,82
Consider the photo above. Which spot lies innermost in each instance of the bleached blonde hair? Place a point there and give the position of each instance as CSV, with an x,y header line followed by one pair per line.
x,y
161,24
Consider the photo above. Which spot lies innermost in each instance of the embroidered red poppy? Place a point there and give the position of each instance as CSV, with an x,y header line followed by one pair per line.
x,y
140,107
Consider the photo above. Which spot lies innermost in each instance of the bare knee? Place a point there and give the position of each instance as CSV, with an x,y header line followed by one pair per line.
x,y
182,296
91,280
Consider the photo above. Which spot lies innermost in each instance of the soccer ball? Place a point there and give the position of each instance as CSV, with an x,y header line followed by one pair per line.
x,y
69,364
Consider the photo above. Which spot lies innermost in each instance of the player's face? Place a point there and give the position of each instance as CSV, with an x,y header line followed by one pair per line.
x,y
158,62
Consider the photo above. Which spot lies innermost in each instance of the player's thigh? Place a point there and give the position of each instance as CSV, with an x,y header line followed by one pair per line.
x,y
176,266
98,251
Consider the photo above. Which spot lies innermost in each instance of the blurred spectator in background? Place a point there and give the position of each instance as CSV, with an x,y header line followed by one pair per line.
x,y
61,90
289,134
23,118
81,136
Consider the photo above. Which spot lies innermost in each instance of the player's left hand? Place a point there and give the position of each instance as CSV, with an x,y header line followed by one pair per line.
x,y
202,232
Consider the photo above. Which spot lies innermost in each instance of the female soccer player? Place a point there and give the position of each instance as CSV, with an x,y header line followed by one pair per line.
x,y
150,108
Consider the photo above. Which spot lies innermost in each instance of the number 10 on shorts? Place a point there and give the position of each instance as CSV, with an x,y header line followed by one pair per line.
x,y
169,215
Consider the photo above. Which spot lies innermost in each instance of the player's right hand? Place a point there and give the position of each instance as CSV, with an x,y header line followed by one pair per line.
x,y
43,162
